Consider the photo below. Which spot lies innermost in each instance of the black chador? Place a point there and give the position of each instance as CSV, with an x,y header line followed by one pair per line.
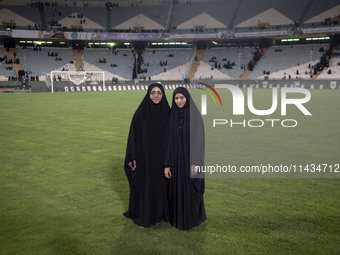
x,y
185,150
146,145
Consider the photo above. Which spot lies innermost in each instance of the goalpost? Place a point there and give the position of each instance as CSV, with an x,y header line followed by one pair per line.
x,y
78,80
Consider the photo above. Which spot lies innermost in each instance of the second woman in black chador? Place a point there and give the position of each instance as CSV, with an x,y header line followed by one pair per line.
x,y
185,151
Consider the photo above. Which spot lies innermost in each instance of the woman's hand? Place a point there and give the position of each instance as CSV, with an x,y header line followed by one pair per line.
x,y
132,166
193,170
167,172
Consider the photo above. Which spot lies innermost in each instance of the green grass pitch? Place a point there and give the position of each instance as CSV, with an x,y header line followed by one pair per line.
x,y
63,189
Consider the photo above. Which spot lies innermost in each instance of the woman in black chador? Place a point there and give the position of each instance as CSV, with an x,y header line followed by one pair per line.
x,y
185,152
144,159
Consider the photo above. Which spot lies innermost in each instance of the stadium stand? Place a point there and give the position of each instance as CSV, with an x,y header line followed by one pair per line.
x,y
40,61
76,18
116,63
246,19
18,17
167,64
6,69
319,12
282,62
258,14
279,62
139,18
333,71
224,63
219,14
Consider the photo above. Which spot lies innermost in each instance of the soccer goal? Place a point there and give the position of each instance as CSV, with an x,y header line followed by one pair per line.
x,y
77,81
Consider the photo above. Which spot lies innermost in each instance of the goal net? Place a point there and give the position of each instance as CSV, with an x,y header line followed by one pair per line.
x,y
77,81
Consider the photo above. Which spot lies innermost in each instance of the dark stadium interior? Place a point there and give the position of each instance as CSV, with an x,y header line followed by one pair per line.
x,y
169,40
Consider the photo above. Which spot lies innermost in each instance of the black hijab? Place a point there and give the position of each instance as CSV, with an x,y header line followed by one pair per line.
x,y
188,121
149,121
150,110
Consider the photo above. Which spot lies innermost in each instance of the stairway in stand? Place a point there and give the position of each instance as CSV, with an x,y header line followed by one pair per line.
x,y
11,53
78,59
334,49
196,63
248,72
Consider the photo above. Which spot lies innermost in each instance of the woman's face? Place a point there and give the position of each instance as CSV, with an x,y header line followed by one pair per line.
x,y
180,100
156,95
